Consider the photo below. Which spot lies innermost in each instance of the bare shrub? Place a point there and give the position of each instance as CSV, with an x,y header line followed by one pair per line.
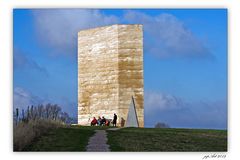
x,y
161,125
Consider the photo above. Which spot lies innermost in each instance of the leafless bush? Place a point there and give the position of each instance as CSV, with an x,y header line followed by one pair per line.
x,y
161,125
49,111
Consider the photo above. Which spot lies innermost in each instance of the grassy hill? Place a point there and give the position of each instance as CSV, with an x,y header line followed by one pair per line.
x,y
167,139
134,139
62,139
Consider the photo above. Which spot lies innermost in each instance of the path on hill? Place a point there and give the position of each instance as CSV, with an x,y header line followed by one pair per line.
x,y
98,142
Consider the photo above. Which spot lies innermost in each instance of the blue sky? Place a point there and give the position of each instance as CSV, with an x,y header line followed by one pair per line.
x,y
185,61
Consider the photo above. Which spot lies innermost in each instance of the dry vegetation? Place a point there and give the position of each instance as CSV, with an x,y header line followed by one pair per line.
x,y
35,122
24,133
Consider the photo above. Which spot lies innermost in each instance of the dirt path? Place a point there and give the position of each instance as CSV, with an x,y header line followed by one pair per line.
x,y
98,142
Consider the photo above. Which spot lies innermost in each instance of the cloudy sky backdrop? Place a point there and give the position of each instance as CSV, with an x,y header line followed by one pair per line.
x,y
185,61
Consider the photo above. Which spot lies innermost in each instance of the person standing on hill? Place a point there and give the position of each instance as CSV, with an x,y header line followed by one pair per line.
x,y
114,119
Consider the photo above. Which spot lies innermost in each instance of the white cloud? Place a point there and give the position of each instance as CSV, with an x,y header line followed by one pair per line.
x,y
159,101
23,98
161,107
167,36
164,34
58,28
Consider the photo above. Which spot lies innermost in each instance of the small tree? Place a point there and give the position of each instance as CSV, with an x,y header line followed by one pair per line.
x,y
161,125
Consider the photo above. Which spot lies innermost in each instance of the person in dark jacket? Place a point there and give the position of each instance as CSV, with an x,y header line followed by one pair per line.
x,y
103,121
114,119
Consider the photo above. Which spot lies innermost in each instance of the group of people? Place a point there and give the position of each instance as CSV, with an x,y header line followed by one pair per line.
x,y
103,121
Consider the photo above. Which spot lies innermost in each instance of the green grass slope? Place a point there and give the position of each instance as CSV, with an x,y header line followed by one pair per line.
x,y
168,139
63,139
76,138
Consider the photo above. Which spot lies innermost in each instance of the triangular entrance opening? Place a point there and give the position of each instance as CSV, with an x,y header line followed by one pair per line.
x,y
132,120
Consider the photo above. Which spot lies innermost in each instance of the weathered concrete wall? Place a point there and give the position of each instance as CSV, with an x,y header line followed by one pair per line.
x,y
110,71
130,65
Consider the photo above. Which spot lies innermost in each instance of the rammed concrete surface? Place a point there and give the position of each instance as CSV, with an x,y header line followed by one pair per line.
x,y
110,71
